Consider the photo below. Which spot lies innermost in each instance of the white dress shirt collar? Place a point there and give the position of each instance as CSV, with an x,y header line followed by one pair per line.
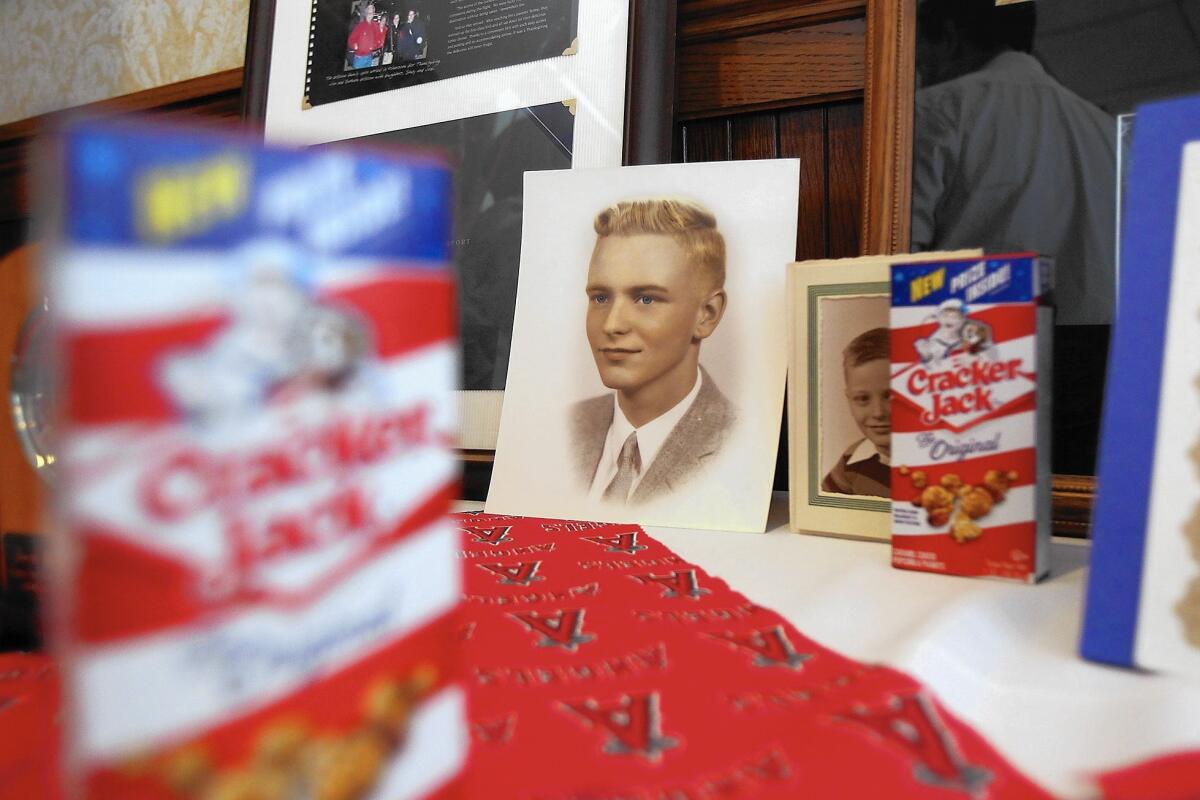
x,y
650,438
866,450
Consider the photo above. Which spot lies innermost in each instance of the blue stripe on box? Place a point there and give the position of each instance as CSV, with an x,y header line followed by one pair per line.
x,y
183,188
1130,425
1021,286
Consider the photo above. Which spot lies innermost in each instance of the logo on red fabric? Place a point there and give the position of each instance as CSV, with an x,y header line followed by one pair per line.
x,y
912,722
633,724
496,731
771,647
522,573
680,583
561,629
496,535
619,543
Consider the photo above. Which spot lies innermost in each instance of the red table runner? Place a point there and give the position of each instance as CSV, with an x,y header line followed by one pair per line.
x,y
601,665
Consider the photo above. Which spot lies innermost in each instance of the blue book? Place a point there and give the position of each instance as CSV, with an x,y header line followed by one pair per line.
x,y
1143,600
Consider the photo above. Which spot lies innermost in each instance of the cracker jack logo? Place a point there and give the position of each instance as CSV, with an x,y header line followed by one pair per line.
x,y
620,543
495,536
633,724
680,583
522,573
912,722
960,378
771,647
561,629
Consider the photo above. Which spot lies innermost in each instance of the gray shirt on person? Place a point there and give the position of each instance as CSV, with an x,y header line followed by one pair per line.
x,y
1008,159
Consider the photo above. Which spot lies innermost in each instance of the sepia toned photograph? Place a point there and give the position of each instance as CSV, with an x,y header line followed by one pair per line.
x,y
647,371
655,291
854,395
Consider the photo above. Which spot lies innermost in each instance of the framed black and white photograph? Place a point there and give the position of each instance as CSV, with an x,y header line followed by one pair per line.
x,y
649,352
501,88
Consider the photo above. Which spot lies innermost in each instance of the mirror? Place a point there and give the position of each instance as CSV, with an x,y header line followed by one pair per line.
x,y
31,392
1017,119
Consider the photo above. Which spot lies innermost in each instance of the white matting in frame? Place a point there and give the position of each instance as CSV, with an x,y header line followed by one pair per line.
x,y
544,464
594,76
838,305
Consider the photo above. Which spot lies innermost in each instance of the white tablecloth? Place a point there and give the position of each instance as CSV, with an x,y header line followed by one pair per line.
x,y
1002,656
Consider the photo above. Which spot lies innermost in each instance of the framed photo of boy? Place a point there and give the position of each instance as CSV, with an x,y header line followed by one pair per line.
x,y
839,400
575,84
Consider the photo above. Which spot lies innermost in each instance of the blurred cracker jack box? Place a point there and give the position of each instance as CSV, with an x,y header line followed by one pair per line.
x,y
971,416
255,576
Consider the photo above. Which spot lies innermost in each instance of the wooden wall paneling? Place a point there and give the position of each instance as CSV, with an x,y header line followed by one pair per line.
x,y
706,140
20,498
704,20
14,188
887,125
802,136
844,129
771,70
754,136
216,98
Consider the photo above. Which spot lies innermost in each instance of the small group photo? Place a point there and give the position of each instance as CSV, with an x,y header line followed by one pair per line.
x,y
381,33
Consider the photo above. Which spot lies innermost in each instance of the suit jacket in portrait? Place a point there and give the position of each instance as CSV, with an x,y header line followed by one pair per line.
x,y
692,443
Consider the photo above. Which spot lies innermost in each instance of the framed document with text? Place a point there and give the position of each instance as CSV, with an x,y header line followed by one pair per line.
x,y
501,87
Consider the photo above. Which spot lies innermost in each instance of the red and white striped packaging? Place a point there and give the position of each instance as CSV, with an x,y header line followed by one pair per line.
x,y
970,416
256,578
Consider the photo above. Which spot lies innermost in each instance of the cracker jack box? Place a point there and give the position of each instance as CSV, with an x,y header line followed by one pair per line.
x,y
970,416
1143,594
256,576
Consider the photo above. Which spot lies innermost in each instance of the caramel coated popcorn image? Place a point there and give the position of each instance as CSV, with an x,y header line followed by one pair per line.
x,y
345,768
998,483
964,529
935,497
953,502
976,503
292,759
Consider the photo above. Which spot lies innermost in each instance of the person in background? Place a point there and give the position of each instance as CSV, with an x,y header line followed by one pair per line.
x,y
413,38
392,48
1007,158
366,39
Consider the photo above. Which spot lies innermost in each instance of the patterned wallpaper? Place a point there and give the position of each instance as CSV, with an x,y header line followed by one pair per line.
x,y
57,54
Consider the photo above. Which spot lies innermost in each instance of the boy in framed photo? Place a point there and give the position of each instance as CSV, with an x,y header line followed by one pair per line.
x,y
865,466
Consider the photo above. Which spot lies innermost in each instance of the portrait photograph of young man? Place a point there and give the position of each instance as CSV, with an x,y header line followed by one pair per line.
x,y
655,292
649,348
